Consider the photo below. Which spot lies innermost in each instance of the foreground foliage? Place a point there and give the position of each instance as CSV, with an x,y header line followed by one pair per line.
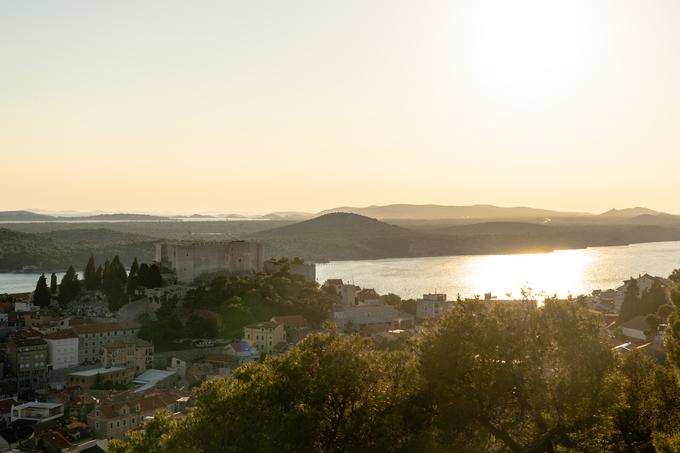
x,y
506,378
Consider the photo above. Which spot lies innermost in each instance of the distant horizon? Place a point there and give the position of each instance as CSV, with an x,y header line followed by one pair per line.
x,y
226,212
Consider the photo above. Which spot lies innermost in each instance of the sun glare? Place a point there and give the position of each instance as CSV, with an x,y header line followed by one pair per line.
x,y
546,274
528,46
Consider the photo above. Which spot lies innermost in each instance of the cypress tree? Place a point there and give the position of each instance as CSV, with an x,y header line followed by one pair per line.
x,y
143,275
132,280
155,279
42,296
106,277
53,284
90,275
70,286
99,275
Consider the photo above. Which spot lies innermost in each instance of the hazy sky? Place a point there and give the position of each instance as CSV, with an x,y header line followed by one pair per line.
x,y
260,105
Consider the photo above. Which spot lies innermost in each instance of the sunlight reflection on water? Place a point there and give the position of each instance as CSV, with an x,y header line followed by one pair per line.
x,y
562,272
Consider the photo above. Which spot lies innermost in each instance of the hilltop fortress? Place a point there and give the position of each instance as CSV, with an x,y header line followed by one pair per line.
x,y
191,259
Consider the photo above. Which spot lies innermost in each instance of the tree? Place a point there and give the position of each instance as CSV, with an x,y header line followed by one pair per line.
x,y
650,410
518,378
143,275
630,307
672,338
201,327
154,438
42,295
154,279
653,298
117,298
90,275
328,394
53,284
70,286
133,278
675,276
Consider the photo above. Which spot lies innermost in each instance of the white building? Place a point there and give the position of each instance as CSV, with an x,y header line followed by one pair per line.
x,y
36,411
432,306
62,347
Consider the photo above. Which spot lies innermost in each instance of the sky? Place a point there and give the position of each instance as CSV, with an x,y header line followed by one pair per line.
x,y
259,106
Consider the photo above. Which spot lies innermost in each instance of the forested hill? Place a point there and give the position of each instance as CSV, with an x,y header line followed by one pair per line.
x,y
347,236
55,251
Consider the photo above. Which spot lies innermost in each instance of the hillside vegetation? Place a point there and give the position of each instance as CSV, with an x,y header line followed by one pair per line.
x,y
55,251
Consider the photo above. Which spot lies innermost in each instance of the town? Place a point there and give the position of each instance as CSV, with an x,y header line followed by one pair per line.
x,y
79,372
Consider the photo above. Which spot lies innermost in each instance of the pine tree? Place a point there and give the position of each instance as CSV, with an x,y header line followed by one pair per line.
x,y
42,296
53,284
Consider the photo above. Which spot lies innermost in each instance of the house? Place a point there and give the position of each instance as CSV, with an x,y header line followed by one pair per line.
x,y
179,366
295,321
368,296
264,335
88,379
93,337
37,412
113,418
133,353
296,327
62,347
635,328
335,283
355,318
242,351
432,306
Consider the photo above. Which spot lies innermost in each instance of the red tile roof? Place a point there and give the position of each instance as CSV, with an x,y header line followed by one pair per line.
x,y
291,321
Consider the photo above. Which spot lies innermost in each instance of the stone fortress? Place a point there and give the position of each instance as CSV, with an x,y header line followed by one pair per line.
x,y
191,259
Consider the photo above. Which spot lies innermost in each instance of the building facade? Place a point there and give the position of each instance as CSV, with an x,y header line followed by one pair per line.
x,y
189,260
432,306
28,359
114,418
264,336
89,379
133,353
92,338
62,346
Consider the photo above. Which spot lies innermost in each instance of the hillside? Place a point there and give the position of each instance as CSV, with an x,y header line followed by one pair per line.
x,y
55,251
23,216
412,211
342,236
631,212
